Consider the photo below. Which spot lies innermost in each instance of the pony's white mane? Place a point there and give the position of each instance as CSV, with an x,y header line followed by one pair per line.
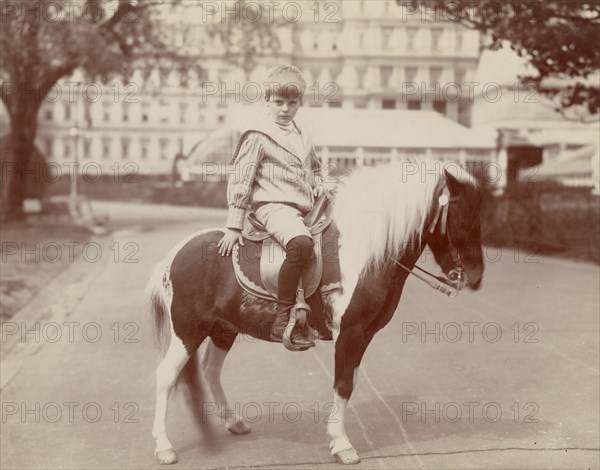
x,y
380,210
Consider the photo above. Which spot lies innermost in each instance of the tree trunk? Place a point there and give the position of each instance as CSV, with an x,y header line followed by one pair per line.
x,y
23,125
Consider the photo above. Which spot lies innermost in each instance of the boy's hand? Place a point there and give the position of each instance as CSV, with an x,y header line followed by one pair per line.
x,y
231,238
318,190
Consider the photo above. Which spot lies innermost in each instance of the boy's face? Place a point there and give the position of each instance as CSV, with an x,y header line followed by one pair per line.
x,y
283,110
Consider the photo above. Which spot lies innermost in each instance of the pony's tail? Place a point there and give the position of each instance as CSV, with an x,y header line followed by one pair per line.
x,y
190,376
156,298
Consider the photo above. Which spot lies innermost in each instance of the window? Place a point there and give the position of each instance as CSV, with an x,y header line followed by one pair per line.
x,y
125,110
67,111
334,43
182,112
414,104
221,112
335,104
410,74
411,34
201,109
439,106
87,144
144,149
183,78
459,76
106,141
435,75
361,40
436,35
386,37
67,147
48,144
360,103
361,73
163,148
163,76
459,41
388,104
164,111
145,112
106,112
464,112
315,72
385,73
125,147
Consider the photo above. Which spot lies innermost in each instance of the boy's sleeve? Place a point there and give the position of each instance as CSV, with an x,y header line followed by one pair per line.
x,y
315,166
239,186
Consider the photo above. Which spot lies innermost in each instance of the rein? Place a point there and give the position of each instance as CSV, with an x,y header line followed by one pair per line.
x,y
451,285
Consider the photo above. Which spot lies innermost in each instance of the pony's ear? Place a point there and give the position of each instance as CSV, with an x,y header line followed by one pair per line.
x,y
453,184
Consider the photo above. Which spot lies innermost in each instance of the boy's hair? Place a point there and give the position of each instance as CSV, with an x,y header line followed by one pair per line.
x,y
285,81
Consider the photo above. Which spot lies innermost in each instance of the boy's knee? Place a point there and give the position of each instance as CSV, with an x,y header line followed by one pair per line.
x,y
299,249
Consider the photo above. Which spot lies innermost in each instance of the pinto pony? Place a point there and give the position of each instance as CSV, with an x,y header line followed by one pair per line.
x,y
385,216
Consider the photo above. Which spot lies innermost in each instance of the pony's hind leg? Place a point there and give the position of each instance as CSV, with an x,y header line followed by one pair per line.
x,y
212,361
166,377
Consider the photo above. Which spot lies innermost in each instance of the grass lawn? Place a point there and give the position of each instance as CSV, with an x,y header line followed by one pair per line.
x,y
34,253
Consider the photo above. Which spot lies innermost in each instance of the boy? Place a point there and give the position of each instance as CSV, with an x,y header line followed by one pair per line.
x,y
278,176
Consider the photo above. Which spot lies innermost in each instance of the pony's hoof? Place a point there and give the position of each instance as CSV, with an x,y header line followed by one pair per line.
x,y
166,457
347,457
239,427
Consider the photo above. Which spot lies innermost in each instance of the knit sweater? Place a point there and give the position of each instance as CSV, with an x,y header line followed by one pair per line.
x,y
267,167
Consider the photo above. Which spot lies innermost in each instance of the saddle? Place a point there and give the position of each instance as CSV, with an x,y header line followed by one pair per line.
x,y
257,263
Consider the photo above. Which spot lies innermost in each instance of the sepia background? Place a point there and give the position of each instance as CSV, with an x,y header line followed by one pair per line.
x,y
117,122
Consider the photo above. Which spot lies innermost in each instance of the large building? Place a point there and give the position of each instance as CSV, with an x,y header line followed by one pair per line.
x,y
372,54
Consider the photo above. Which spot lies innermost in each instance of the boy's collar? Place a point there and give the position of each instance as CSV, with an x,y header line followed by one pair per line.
x,y
267,126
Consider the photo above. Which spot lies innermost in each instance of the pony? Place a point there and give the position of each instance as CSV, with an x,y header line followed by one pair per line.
x,y
385,215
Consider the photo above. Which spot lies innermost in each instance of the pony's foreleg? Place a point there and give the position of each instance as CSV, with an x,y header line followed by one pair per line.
x,y
340,445
166,377
212,364
349,349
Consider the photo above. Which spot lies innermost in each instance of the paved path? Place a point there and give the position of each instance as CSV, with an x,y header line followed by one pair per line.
x,y
503,378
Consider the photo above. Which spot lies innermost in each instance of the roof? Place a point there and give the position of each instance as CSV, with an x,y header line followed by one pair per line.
x,y
573,162
390,128
353,127
339,127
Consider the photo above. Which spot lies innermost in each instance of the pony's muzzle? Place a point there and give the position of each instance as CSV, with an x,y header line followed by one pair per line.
x,y
473,278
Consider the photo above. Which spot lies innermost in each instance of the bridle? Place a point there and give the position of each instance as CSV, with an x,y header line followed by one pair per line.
x,y
450,285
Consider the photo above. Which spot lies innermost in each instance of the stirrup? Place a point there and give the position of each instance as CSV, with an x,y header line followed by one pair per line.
x,y
297,315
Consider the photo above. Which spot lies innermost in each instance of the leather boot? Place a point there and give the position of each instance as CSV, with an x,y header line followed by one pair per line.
x,y
298,250
278,329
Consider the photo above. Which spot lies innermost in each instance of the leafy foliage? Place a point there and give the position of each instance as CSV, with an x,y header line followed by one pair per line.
x,y
43,41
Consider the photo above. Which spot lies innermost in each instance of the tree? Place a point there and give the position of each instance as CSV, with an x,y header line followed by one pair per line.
x,y
43,41
558,38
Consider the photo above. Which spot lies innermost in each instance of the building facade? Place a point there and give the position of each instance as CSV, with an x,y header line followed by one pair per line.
x,y
355,54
